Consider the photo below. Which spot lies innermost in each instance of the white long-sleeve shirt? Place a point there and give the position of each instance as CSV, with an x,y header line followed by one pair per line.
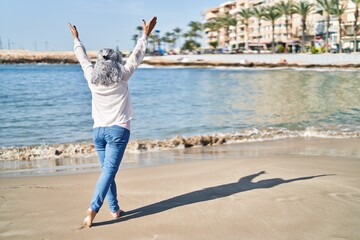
x,y
111,105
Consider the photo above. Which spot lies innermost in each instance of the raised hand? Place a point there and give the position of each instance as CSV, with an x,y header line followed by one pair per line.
x,y
74,31
149,27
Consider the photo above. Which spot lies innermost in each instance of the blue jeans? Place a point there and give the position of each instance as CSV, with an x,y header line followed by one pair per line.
x,y
110,143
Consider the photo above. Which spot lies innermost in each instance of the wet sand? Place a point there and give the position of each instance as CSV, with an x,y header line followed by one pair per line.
x,y
286,189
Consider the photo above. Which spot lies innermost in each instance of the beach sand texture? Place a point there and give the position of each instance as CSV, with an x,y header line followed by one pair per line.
x,y
301,193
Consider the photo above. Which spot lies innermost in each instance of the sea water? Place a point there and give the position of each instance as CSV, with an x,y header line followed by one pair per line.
x,y
42,105
48,104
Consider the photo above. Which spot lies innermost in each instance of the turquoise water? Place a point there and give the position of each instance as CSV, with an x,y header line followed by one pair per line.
x,y
46,104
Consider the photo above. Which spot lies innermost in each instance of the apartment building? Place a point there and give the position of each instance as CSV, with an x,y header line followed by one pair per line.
x,y
348,20
221,35
260,33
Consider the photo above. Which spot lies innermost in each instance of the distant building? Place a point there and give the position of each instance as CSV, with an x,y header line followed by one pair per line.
x,y
237,37
221,35
348,26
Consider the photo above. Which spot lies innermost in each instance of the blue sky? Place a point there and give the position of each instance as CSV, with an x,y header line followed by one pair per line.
x,y
106,23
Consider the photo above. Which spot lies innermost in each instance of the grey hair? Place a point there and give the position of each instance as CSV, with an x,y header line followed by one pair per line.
x,y
107,68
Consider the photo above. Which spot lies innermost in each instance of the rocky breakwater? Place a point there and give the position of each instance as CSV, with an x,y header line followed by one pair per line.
x,y
29,57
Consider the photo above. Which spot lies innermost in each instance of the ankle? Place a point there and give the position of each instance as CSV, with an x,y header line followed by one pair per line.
x,y
117,214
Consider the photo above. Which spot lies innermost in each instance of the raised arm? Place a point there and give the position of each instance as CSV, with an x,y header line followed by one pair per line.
x,y
138,53
80,53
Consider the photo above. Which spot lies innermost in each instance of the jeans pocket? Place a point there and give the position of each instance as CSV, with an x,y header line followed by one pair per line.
x,y
95,133
118,134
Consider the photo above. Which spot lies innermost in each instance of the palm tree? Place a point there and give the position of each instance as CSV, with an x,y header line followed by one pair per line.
x,y
327,7
135,38
272,14
286,9
177,34
246,14
192,35
169,38
213,26
140,30
338,10
356,15
259,14
226,21
154,40
304,9
195,28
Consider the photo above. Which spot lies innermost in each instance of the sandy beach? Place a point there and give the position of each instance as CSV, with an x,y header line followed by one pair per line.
x,y
305,188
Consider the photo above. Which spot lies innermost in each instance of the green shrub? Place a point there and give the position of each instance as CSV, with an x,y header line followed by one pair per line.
x,y
279,48
190,45
323,49
314,50
214,44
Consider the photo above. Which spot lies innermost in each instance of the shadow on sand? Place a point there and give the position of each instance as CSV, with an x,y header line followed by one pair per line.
x,y
206,194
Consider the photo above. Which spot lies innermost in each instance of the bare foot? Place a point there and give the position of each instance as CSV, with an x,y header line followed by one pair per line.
x,y
90,218
117,214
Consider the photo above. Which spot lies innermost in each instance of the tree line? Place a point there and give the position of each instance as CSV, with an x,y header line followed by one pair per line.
x,y
171,38
287,8
270,13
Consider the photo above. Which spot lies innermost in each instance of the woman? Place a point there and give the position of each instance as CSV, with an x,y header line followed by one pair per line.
x,y
111,112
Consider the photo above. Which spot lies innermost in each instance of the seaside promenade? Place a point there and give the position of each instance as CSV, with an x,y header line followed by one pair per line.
x,y
346,60
299,58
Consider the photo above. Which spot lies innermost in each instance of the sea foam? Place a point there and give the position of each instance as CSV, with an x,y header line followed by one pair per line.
x,y
86,149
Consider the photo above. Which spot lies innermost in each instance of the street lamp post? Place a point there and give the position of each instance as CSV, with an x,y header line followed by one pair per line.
x,y
158,36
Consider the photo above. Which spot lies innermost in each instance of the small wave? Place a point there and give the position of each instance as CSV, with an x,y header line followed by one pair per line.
x,y
44,151
173,67
299,69
86,149
243,68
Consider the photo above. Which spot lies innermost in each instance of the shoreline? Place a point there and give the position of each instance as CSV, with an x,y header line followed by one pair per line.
x,y
180,63
267,190
86,149
76,163
307,61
